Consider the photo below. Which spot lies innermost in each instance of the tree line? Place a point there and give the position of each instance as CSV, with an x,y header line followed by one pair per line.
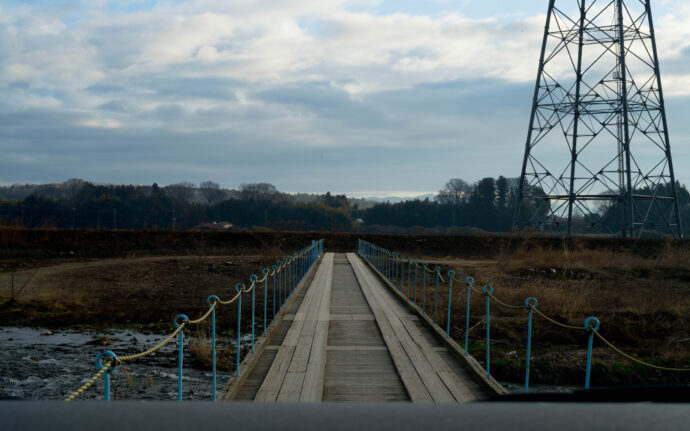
x,y
81,204
459,207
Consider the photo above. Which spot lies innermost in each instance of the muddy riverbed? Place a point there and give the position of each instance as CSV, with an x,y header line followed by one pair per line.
x,y
40,363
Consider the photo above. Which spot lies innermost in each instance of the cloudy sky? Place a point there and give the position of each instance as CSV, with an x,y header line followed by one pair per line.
x,y
368,98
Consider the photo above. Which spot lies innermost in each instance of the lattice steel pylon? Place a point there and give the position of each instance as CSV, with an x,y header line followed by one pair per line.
x,y
598,157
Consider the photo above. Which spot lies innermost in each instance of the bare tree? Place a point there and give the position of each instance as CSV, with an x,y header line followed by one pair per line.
x,y
260,192
183,191
455,192
212,192
72,188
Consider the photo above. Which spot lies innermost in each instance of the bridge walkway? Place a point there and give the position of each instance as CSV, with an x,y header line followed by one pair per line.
x,y
346,337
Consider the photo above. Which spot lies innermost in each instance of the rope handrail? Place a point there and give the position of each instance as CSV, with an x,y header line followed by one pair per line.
x,y
153,349
503,303
250,288
205,316
297,271
230,301
555,322
115,362
90,382
634,359
431,270
369,252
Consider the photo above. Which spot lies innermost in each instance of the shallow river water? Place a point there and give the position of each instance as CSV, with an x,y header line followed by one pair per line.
x,y
50,364
39,363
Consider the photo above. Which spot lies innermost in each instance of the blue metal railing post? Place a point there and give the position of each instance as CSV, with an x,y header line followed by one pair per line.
x,y
252,281
415,282
590,329
530,303
211,300
106,375
292,275
106,386
424,266
402,272
469,281
239,321
274,292
391,268
451,273
286,276
397,277
265,272
280,285
180,350
288,281
438,275
488,290
384,263
388,265
394,269
409,273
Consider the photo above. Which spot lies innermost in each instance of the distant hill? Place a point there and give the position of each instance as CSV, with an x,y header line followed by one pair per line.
x,y
398,199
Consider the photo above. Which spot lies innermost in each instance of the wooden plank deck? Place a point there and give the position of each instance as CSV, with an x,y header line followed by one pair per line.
x,y
358,366
424,372
297,370
348,338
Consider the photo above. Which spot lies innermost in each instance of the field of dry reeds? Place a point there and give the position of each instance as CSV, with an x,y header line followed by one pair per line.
x,y
643,304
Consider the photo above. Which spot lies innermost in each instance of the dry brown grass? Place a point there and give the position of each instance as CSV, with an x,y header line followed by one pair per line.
x,y
577,256
200,346
146,290
643,305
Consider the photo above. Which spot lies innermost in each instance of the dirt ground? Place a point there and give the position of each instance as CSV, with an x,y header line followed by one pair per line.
x,y
123,291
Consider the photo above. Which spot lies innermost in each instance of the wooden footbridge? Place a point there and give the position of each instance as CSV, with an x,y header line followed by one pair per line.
x,y
346,335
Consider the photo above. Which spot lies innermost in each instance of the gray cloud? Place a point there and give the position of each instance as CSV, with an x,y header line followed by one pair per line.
x,y
118,106
104,88
234,93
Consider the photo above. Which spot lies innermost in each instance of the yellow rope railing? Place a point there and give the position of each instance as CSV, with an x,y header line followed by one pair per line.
x,y
401,258
112,363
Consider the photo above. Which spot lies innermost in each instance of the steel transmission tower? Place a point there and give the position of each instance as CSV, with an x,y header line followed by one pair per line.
x,y
598,156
